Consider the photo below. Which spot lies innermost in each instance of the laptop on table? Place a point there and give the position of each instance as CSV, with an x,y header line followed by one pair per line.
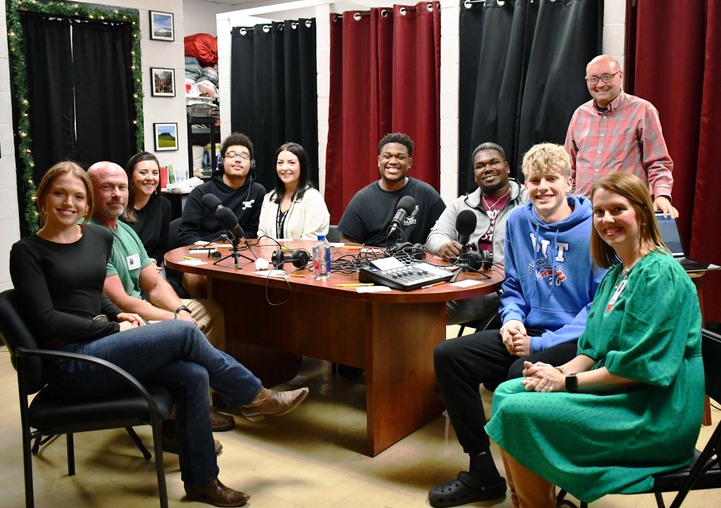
x,y
672,238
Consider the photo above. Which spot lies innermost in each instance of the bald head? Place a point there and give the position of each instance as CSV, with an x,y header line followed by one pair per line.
x,y
606,60
606,73
110,186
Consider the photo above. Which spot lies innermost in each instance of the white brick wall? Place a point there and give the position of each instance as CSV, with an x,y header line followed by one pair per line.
x,y
9,229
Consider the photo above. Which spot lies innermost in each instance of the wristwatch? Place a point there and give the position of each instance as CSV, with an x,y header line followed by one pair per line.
x,y
571,383
183,308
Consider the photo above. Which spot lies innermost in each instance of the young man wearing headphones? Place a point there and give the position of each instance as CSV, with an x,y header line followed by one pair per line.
x,y
233,183
491,203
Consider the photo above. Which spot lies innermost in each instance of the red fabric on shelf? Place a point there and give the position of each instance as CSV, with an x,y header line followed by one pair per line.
x,y
204,47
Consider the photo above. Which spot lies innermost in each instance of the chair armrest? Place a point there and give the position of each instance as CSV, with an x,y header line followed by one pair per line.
x,y
117,371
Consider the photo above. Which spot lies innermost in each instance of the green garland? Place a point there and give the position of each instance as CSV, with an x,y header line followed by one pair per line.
x,y
19,80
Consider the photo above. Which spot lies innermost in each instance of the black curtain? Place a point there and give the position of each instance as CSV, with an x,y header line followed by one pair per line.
x,y
274,90
80,92
103,83
50,93
522,65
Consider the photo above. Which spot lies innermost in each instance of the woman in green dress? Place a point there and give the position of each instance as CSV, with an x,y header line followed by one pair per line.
x,y
629,405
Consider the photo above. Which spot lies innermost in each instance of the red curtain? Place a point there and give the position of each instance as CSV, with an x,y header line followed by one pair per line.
x,y
384,77
677,66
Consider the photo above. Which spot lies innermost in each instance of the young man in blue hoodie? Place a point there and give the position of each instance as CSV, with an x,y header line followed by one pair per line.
x,y
549,286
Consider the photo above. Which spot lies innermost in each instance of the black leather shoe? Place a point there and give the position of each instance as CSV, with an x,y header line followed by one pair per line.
x,y
215,493
465,489
350,373
220,422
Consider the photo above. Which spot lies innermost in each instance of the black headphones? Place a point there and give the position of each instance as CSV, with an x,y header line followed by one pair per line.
x,y
299,258
479,260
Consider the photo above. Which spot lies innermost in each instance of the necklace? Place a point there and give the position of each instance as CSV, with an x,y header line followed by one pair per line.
x,y
492,213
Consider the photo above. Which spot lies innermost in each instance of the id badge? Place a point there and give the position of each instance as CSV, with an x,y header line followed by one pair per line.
x,y
133,262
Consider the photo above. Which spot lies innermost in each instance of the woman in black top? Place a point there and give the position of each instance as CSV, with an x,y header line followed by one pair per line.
x,y
58,274
148,213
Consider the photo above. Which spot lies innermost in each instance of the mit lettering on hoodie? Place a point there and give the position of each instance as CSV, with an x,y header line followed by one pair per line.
x,y
551,278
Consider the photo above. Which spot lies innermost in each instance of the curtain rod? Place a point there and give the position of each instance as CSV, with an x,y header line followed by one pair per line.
x,y
385,12
266,28
500,3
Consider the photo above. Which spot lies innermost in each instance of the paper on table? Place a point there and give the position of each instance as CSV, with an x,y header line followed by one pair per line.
x,y
466,283
192,262
372,289
271,273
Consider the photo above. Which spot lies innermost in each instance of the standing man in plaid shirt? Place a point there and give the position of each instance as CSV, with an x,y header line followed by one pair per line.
x,y
616,131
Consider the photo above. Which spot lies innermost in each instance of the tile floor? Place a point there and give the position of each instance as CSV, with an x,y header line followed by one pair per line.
x,y
307,459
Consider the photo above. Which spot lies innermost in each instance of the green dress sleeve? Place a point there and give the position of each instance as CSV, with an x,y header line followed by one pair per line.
x,y
652,325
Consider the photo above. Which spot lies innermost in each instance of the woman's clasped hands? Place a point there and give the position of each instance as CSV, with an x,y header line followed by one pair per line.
x,y
542,377
128,320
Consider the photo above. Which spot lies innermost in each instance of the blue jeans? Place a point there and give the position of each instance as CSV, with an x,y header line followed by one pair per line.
x,y
177,356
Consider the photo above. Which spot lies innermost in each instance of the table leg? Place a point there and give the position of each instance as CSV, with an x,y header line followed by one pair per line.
x,y
393,342
401,384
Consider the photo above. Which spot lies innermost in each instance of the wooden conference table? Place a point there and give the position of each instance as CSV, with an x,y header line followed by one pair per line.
x,y
391,335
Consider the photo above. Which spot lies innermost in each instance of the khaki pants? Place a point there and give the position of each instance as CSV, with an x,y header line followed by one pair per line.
x,y
211,320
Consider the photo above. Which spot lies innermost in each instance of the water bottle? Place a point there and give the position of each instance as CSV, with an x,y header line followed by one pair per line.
x,y
321,258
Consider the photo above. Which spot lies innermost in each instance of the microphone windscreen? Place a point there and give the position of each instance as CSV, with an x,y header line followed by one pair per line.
x,y
407,203
211,201
226,218
466,223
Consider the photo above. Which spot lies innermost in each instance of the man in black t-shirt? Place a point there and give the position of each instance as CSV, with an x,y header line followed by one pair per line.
x,y
367,219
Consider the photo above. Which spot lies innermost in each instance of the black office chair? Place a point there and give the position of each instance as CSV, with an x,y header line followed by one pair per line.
x,y
704,471
333,235
491,321
175,278
45,415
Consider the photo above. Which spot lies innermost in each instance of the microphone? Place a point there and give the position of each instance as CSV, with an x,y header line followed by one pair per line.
x,y
228,221
404,208
465,225
211,202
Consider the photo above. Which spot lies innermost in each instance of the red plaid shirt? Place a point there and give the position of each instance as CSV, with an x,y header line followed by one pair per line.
x,y
626,137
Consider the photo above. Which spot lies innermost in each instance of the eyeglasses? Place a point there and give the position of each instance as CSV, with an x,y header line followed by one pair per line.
x,y
233,155
606,78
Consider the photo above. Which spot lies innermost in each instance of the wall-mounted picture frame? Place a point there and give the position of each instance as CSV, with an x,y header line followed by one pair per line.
x,y
162,82
166,136
161,26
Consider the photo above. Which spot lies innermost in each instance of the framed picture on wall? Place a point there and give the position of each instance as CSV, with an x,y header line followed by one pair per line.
x,y
161,26
166,136
162,82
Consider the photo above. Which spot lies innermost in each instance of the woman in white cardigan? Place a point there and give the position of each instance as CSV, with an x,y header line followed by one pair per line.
x,y
294,209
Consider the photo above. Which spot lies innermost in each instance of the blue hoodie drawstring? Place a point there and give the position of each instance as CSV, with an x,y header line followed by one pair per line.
x,y
553,264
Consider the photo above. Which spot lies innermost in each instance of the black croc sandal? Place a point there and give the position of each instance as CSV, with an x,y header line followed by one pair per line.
x,y
465,489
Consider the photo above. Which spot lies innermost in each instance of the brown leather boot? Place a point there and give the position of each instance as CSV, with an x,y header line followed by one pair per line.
x,y
220,422
215,493
268,403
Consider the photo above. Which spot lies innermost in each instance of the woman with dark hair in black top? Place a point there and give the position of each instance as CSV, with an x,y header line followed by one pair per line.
x,y
148,212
